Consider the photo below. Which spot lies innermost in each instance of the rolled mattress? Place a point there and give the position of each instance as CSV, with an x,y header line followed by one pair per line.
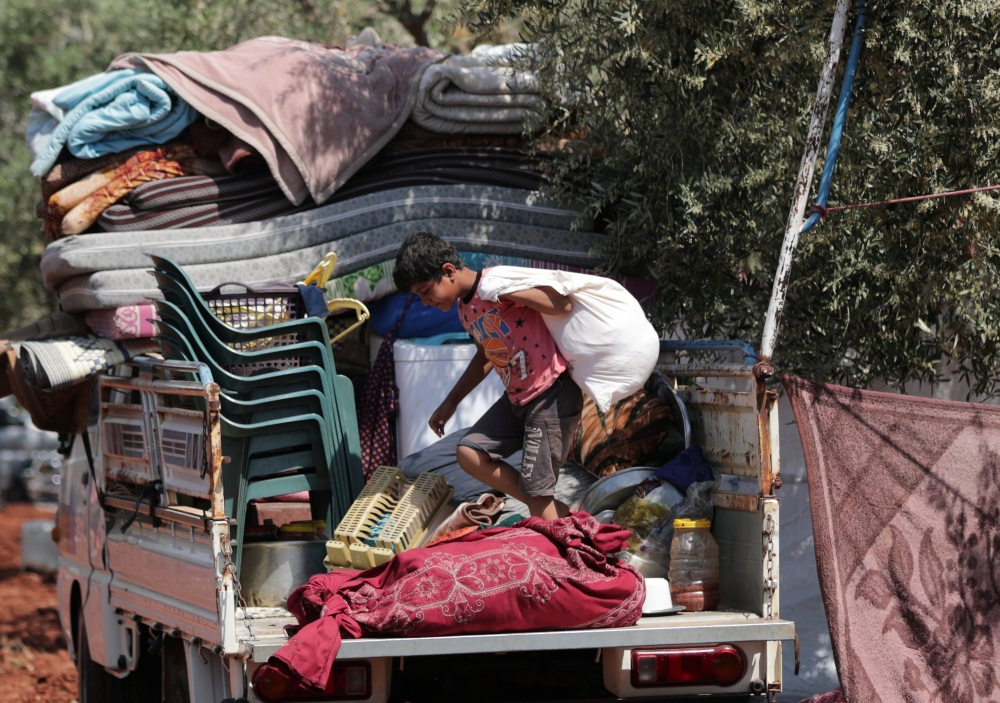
x,y
129,286
304,232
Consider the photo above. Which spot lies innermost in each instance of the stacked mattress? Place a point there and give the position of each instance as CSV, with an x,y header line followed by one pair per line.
x,y
252,190
107,270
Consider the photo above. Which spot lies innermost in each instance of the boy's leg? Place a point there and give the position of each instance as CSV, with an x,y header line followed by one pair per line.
x,y
500,475
495,473
549,427
498,433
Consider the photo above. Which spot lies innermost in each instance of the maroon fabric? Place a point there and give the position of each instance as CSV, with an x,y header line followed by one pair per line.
x,y
536,575
380,405
905,498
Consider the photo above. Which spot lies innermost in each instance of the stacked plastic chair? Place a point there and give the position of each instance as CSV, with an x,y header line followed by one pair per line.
x,y
288,420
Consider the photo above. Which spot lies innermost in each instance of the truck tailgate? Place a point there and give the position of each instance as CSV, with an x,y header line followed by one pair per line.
x,y
266,635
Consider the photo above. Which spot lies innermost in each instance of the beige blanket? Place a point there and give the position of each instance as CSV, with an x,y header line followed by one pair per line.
x,y
315,114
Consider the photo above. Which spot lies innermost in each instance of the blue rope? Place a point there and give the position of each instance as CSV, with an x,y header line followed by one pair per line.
x,y
840,118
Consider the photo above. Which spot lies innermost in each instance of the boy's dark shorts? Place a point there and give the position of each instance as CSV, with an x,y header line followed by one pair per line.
x,y
544,427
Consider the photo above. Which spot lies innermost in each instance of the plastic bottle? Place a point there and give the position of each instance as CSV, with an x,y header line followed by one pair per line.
x,y
694,565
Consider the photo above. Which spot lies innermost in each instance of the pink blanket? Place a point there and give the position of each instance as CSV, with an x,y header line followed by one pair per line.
x,y
905,496
537,575
316,114
129,322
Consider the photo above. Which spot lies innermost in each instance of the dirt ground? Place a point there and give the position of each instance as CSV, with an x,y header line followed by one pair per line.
x,y
34,664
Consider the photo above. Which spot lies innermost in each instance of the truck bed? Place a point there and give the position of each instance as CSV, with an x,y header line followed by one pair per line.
x,y
267,635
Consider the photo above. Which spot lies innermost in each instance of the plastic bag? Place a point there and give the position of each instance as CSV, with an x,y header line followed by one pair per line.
x,y
653,502
609,344
653,551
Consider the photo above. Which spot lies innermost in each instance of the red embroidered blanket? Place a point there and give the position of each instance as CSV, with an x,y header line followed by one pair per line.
x,y
536,575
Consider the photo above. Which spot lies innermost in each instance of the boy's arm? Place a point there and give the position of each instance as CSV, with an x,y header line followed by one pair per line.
x,y
479,367
542,299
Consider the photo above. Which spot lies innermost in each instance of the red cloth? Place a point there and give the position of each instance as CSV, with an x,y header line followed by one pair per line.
x,y
536,575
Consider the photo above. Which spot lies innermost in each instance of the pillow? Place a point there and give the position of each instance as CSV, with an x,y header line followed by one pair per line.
x,y
420,321
620,438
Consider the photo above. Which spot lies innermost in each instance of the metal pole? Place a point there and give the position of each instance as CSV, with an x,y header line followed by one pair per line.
x,y
800,198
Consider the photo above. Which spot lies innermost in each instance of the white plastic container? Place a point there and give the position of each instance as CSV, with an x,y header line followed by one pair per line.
x,y
424,375
38,551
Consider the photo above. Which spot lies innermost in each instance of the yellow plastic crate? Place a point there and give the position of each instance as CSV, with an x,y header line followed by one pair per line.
x,y
391,515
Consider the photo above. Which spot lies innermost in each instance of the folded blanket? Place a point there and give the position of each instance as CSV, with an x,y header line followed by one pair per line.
x,y
478,513
66,410
192,190
141,168
111,112
904,494
128,322
59,363
73,170
315,114
75,207
478,94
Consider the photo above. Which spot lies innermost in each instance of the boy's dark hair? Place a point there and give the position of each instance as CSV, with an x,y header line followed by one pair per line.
x,y
420,259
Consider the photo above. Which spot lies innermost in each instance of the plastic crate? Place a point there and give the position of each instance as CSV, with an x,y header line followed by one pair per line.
x,y
256,307
391,515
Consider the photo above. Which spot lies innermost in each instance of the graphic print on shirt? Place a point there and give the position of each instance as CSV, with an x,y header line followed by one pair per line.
x,y
492,333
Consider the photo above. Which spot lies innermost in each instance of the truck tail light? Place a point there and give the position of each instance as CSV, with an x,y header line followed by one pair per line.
x,y
349,680
722,665
271,684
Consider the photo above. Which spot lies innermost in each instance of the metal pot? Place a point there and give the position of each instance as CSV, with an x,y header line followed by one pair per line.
x,y
614,489
272,570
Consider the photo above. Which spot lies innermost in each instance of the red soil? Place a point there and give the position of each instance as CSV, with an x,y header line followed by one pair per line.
x,y
34,665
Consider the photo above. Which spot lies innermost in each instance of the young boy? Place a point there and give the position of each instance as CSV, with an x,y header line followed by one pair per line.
x,y
540,411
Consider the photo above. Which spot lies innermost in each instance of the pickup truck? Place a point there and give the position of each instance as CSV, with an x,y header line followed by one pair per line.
x,y
150,599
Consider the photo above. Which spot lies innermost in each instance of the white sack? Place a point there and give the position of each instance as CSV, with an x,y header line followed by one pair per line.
x,y
610,345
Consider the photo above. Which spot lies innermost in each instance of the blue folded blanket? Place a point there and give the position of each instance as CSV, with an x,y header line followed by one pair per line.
x,y
111,112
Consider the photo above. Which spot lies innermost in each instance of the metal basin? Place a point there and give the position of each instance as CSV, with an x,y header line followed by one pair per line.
x,y
614,489
272,570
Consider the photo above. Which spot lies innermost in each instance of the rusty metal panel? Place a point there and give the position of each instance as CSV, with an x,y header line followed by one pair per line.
x,y
706,370
744,502
767,426
171,434
724,423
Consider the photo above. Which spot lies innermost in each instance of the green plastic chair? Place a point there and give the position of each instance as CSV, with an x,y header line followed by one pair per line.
x,y
267,454
339,391
308,328
178,288
177,346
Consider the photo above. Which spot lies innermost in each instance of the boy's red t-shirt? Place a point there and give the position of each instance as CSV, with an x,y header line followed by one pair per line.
x,y
516,340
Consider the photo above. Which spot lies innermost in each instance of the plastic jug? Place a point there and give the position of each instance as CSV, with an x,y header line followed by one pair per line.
x,y
694,565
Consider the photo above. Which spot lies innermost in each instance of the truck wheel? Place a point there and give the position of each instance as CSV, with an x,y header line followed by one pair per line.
x,y
95,684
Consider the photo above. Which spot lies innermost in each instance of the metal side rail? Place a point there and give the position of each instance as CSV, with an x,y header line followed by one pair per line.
x,y
683,629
